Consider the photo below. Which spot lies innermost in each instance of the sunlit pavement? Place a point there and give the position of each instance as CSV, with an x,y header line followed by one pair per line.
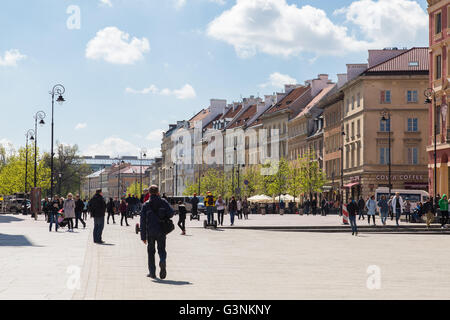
x,y
227,263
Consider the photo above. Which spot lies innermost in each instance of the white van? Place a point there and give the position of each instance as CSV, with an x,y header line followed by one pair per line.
x,y
414,196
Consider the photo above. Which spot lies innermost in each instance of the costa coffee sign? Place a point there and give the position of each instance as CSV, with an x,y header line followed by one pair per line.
x,y
405,177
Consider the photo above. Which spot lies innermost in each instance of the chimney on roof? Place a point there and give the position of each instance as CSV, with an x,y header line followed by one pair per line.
x,y
318,84
261,106
342,79
269,100
354,70
289,87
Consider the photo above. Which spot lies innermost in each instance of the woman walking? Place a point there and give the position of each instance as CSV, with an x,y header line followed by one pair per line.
x,y
245,208
232,208
239,208
407,211
384,209
123,212
352,208
220,205
371,209
182,217
69,211
110,208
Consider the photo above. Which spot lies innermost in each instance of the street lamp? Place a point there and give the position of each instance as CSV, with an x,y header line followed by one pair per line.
x,y
428,93
29,136
120,162
342,171
143,153
58,90
386,116
59,183
40,115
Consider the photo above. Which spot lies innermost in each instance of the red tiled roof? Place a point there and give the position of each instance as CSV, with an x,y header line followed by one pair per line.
x,y
232,113
415,59
322,94
244,117
199,116
290,97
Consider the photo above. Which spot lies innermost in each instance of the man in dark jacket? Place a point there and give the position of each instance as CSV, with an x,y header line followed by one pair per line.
x,y
155,210
97,207
361,206
79,206
194,202
352,209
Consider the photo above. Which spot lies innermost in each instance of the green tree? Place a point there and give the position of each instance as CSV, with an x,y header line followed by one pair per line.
x,y
135,188
12,173
68,169
294,180
278,183
312,177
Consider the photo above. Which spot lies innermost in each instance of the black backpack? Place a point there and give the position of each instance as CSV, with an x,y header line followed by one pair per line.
x,y
166,223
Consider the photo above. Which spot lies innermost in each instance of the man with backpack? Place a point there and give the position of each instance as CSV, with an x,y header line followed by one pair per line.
x,y
155,213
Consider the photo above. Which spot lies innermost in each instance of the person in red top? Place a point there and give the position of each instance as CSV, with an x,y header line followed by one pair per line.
x,y
123,211
147,195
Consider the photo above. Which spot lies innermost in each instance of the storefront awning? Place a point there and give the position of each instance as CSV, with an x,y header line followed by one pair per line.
x,y
351,184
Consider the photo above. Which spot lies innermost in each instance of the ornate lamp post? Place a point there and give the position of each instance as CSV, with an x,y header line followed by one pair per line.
x,y
58,90
428,94
341,148
143,153
39,116
386,117
29,136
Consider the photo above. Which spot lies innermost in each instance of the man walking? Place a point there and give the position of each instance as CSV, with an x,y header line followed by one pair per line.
x,y
428,210
352,208
79,206
443,207
97,209
397,207
155,210
361,206
384,209
232,209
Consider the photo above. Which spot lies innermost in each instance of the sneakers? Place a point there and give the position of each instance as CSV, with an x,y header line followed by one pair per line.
x,y
353,233
152,275
162,272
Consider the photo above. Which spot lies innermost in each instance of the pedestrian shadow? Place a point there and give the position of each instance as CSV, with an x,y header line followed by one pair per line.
x,y
173,282
9,240
9,219
106,244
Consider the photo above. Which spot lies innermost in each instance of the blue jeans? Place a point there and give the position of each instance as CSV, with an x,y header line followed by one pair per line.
x,y
232,214
210,214
53,217
384,215
398,213
99,223
160,241
353,223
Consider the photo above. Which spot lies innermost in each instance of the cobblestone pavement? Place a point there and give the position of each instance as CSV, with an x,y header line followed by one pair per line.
x,y
224,263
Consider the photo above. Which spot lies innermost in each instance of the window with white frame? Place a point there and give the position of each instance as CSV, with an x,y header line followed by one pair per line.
x,y
411,96
413,125
413,155
384,155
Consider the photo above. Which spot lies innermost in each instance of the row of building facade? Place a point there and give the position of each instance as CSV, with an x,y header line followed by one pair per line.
x,y
347,124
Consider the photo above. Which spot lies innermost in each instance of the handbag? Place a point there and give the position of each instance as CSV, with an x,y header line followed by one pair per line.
x,y
166,223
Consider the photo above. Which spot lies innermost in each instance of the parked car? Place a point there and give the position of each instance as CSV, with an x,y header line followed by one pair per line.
x,y
16,205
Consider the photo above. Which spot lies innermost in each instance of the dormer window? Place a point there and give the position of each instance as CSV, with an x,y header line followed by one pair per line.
x,y
413,63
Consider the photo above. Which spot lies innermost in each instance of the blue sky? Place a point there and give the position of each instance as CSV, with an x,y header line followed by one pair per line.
x,y
122,92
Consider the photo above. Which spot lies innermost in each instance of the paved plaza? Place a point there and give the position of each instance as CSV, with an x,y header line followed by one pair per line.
x,y
254,262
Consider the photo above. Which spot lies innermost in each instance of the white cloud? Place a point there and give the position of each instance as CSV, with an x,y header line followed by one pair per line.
x,y
388,22
107,3
114,46
277,28
180,3
9,147
155,135
80,126
113,146
278,80
11,57
186,92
